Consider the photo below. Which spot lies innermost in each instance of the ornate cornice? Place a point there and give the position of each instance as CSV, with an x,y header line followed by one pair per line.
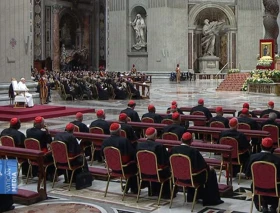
x,y
56,8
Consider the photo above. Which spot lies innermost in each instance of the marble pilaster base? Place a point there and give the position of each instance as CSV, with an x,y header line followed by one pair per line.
x,y
209,64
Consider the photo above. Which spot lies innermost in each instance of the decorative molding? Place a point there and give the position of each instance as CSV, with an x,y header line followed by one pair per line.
x,y
56,8
13,42
26,45
37,29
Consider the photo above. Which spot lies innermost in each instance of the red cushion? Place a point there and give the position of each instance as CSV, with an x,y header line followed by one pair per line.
x,y
212,161
97,171
26,193
224,187
126,159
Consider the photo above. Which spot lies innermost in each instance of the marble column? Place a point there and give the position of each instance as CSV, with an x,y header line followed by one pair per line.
x,y
56,48
86,31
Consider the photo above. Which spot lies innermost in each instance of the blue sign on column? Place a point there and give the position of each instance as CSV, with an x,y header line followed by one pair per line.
x,y
8,176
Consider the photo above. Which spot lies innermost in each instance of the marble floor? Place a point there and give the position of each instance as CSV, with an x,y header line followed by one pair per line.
x,y
163,92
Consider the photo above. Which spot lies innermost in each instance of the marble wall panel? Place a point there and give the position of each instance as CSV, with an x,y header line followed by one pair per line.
x,y
15,39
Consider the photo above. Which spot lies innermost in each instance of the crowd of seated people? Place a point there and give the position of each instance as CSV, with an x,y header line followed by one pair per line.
x,y
99,85
130,146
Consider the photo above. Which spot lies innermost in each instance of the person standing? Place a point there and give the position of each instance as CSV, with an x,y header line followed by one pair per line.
x,y
43,87
178,73
133,70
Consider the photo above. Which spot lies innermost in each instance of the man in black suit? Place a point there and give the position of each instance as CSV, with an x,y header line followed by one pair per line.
x,y
175,127
265,155
13,131
244,118
152,114
174,103
208,192
219,117
127,153
243,143
162,160
130,134
270,109
251,114
73,148
135,92
79,122
131,113
83,128
201,108
100,122
271,121
172,110
40,132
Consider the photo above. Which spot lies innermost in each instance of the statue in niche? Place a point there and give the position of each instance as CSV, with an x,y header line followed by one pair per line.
x,y
210,30
139,27
65,35
270,20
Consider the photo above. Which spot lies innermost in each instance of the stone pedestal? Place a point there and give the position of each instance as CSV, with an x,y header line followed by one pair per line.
x,y
209,64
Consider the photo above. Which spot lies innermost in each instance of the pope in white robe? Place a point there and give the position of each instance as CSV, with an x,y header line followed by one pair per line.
x,y
22,87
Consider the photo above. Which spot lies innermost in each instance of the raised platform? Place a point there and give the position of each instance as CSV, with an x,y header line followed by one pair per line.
x,y
270,88
46,111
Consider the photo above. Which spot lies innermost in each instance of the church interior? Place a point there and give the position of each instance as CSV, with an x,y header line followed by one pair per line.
x,y
61,59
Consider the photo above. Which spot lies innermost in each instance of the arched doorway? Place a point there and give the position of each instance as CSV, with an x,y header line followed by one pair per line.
x,y
73,56
225,45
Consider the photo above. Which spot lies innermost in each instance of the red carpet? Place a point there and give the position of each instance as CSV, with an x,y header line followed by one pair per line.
x,y
46,111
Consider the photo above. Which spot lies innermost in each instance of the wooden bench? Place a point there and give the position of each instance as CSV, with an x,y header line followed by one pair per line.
x,y
166,143
141,125
259,120
216,130
187,117
212,110
27,197
217,148
81,135
225,190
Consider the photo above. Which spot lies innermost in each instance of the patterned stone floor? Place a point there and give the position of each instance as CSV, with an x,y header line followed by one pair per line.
x,y
163,92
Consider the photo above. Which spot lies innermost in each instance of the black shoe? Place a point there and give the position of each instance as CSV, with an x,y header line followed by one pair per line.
x,y
218,202
265,210
134,191
127,189
272,209
167,196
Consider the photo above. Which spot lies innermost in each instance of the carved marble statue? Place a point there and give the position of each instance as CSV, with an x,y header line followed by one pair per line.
x,y
139,27
210,30
270,20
